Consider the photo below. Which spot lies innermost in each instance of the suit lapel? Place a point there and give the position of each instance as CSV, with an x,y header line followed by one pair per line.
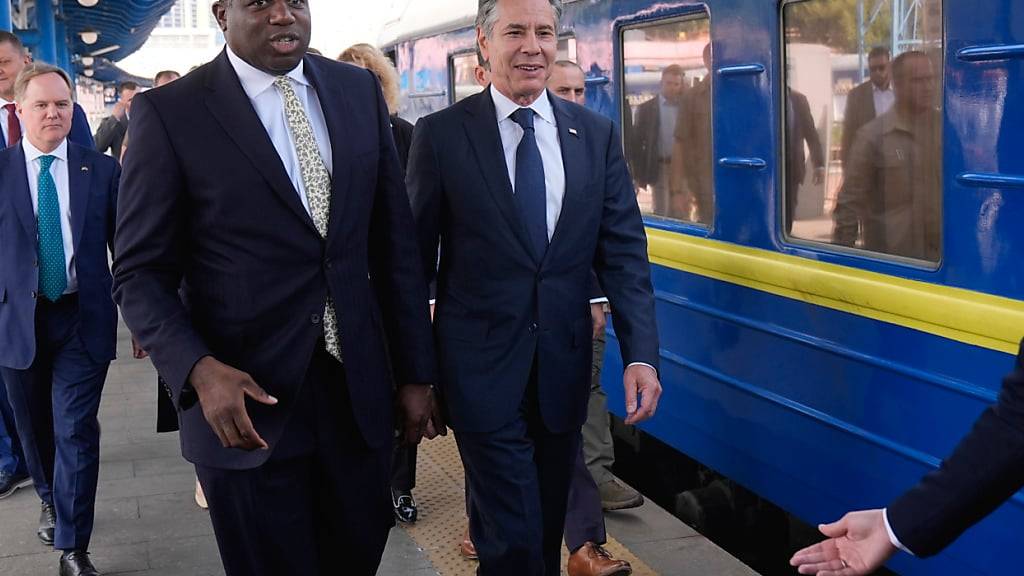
x,y
231,107
576,163
335,107
79,176
482,130
16,180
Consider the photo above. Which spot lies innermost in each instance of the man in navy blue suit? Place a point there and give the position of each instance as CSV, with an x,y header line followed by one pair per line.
x,y
13,59
57,319
526,194
265,185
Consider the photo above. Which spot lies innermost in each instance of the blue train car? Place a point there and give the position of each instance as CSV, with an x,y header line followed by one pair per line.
x,y
822,375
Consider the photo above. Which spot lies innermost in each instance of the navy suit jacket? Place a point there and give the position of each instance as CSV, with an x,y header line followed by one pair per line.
x,y
499,310
985,470
93,181
207,207
80,132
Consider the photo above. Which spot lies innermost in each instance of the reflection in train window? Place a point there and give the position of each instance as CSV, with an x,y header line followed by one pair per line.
x,y
863,129
566,48
667,117
464,75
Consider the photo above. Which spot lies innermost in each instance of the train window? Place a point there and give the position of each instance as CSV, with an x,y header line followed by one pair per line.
x,y
567,48
863,128
463,73
667,116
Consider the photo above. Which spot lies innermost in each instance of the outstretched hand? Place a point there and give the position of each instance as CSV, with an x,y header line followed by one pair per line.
x,y
858,544
418,414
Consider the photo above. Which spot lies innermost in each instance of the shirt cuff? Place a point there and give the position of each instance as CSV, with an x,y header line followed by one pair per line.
x,y
643,364
598,300
892,535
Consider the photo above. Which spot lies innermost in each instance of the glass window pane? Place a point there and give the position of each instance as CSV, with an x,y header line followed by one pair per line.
x,y
464,76
863,127
667,117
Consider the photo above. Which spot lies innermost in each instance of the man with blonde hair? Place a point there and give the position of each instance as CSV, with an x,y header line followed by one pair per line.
x,y
58,325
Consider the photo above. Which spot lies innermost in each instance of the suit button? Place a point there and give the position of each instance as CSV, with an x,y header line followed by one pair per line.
x,y
533,328
315,318
33,294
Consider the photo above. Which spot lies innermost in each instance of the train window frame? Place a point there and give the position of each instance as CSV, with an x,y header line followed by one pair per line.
x,y
661,17
452,95
820,246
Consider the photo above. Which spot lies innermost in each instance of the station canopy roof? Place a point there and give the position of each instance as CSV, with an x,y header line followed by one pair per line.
x,y
123,27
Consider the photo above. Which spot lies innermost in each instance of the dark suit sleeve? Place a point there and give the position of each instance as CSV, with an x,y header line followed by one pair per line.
x,y
106,134
810,133
112,207
985,470
851,122
621,262
395,266
80,133
423,180
149,247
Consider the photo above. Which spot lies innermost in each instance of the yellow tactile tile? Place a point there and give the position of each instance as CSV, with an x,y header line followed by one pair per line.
x,y
442,519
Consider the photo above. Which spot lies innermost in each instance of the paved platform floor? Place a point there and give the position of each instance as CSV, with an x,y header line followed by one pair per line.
x,y
148,525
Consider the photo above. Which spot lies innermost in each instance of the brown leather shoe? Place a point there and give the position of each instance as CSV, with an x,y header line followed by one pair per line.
x,y
466,547
593,560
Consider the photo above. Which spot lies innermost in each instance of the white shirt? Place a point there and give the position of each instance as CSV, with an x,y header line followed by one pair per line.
x,y
668,115
546,131
892,535
884,99
59,172
268,102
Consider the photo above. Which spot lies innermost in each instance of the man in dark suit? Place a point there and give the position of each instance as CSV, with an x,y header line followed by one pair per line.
x,y
265,185
654,137
57,320
984,470
110,135
527,194
867,100
800,129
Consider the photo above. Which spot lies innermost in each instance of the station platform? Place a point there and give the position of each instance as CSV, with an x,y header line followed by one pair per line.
x,y
147,523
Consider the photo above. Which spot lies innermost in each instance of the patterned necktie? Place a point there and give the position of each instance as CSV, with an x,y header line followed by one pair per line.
x,y
317,181
531,192
53,276
13,125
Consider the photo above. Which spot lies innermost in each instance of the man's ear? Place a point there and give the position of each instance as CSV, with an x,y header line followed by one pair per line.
x,y
481,40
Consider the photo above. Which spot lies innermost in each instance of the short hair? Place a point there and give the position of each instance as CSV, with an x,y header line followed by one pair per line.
x,y
879,51
487,14
900,63
127,85
33,71
673,70
12,39
162,74
570,64
375,61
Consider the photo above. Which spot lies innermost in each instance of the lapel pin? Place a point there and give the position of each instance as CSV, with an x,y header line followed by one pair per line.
x,y
85,168
574,132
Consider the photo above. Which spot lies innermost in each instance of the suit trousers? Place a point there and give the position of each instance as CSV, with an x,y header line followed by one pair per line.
x,y
598,446
403,466
12,458
320,505
519,479
56,402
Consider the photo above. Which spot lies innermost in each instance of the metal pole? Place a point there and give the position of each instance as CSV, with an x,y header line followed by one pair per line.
x,y
47,25
61,44
897,26
860,40
5,16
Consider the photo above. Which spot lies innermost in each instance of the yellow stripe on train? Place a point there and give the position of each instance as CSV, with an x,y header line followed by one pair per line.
x,y
966,316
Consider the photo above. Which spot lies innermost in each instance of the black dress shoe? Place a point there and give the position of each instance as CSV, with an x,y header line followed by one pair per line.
x,y
47,524
9,483
77,563
405,506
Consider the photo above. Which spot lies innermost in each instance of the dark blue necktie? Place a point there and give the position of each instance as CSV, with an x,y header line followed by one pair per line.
x,y
53,276
531,193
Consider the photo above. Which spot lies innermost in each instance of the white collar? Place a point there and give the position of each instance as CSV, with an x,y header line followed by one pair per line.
x,y
505,106
255,81
876,89
5,102
31,152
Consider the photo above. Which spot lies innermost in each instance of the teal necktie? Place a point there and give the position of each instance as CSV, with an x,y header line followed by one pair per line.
x,y
53,277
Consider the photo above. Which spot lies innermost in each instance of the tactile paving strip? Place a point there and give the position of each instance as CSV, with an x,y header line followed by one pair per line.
x,y
442,513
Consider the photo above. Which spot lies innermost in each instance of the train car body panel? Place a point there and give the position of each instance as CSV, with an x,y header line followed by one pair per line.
x,y
824,379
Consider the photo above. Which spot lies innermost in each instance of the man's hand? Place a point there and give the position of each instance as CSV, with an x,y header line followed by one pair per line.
x,y
858,544
597,316
642,392
137,352
120,109
222,391
418,414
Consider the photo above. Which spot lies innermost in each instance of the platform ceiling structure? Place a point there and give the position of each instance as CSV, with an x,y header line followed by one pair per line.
x,y
85,37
